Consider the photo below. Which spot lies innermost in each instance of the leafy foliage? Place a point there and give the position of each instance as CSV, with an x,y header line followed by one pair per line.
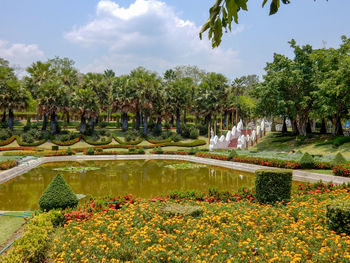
x,y
338,216
307,161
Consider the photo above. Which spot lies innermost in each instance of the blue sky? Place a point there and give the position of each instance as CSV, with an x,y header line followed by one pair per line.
x,y
161,34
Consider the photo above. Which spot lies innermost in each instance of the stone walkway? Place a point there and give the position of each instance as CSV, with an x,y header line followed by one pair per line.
x,y
297,175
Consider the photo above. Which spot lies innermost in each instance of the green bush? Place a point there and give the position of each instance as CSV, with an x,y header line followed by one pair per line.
x,y
158,150
194,133
69,151
232,154
141,151
338,216
203,129
28,138
131,135
90,151
339,159
132,150
177,137
273,185
5,134
307,161
35,240
99,150
58,195
54,147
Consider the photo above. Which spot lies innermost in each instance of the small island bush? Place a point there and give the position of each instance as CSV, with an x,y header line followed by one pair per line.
x,y
338,159
58,195
338,216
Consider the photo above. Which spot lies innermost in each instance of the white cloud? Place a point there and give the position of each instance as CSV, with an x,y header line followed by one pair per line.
x,y
149,33
20,54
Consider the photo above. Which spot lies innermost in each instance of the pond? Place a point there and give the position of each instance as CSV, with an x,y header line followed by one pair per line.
x,y
142,178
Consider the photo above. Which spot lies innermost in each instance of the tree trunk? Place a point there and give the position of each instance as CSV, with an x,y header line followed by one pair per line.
x,y
198,119
185,113
83,124
308,127
178,122
172,121
159,124
138,120
68,118
91,124
338,129
207,119
44,122
53,123
108,113
323,129
11,119
294,126
284,127
3,116
225,120
273,124
145,124
125,121
302,124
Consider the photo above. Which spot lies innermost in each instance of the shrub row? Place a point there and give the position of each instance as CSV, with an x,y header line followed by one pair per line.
x,y
4,165
108,141
22,143
158,141
338,216
37,153
213,156
34,243
268,162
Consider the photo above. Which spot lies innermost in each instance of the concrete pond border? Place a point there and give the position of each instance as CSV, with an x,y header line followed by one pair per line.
x,y
32,163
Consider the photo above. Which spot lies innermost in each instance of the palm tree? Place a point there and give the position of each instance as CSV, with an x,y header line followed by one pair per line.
x,y
109,76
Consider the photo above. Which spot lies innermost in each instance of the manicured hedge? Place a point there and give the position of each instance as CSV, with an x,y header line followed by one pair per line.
x,y
212,156
58,195
273,185
66,143
22,143
158,141
268,162
32,246
5,165
342,170
194,143
108,141
338,216
8,141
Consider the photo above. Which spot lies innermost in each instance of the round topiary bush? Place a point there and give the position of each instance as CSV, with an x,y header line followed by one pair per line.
x,y
58,195
232,154
307,161
338,159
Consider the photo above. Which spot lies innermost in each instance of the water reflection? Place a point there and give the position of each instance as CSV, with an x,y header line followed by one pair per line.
x,y
142,178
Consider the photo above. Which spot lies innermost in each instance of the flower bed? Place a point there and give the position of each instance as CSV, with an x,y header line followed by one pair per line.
x,y
4,165
342,170
268,162
212,156
239,231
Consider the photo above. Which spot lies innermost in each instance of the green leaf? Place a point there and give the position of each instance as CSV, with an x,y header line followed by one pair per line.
x,y
275,4
242,4
263,4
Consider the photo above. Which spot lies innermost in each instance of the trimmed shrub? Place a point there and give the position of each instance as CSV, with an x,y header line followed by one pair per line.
x,y
338,159
232,154
338,216
194,133
158,150
58,195
90,151
54,148
177,138
273,185
69,151
141,151
307,161
5,134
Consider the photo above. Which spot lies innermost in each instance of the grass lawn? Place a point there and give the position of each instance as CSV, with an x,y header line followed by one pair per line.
x,y
8,226
330,172
287,143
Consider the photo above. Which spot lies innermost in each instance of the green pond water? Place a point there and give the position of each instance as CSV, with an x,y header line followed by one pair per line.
x,y
142,178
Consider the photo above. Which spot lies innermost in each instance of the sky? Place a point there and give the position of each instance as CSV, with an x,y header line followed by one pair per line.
x,y
161,34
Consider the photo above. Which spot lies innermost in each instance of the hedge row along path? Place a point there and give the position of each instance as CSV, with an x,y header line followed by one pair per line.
x,y
297,175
